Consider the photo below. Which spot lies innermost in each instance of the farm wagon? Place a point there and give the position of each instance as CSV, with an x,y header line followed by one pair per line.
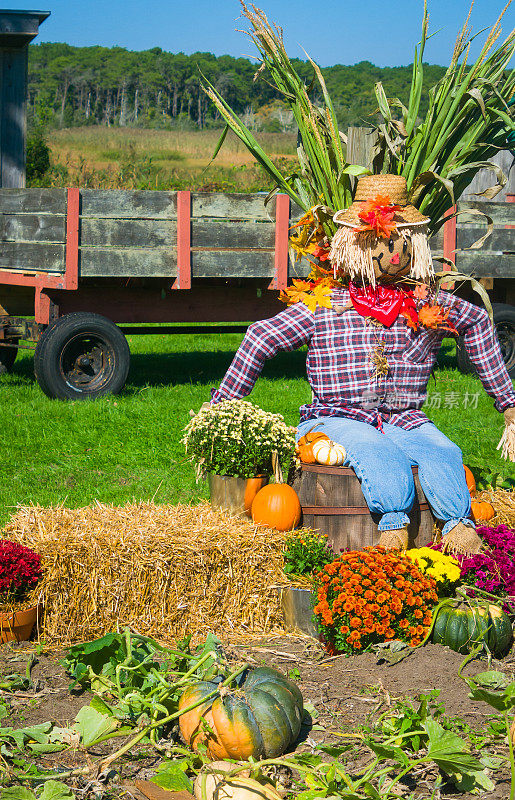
x,y
81,268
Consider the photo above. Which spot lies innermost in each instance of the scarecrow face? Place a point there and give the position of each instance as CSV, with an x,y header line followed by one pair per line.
x,y
391,258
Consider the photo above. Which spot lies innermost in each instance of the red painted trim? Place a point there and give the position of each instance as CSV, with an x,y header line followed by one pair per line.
x,y
183,279
510,198
449,244
41,280
449,238
282,223
71,280
41,306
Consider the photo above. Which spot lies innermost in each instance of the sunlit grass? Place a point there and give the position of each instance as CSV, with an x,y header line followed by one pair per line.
x,y
119,448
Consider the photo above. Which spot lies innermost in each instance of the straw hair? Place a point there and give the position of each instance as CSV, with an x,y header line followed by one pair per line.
x,y
164,570
351,254
393,185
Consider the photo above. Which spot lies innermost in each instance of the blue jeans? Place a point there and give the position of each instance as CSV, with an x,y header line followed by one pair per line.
x,y
383,461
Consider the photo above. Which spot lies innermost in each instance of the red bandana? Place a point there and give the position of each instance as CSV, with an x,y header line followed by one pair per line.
x,y
384,303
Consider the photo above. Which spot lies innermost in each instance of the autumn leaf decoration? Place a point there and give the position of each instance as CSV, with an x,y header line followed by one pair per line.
x,y
310,293
377,215
434,317
309,240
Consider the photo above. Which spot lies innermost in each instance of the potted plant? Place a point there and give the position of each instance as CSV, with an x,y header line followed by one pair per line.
x,y
305,554
232,443
20,571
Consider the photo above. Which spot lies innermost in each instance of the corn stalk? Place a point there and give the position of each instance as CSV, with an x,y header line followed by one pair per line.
x,y
467,122
325,176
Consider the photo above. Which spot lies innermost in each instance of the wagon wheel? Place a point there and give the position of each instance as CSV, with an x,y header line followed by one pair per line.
x,y
504,323
80,357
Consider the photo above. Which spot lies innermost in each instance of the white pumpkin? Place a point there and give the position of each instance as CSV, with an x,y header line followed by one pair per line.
x,y
211,785
329,453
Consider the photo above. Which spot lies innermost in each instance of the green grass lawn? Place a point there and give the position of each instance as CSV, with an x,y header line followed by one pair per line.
x,y
119,448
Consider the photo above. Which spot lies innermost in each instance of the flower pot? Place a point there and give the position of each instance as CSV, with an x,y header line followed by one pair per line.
x,y
297,607
17,626
234,494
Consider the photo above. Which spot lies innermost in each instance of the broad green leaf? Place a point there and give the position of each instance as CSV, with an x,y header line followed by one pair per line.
x,y
39,733
388,752
99,705
91,725
173,778
493,679
44,748
17,793
451,755
55,790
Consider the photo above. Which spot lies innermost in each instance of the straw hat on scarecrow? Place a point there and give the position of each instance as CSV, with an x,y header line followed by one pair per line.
x,y
381,238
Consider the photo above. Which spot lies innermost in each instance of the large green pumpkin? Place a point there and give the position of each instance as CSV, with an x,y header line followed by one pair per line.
x,y
463,627
261,718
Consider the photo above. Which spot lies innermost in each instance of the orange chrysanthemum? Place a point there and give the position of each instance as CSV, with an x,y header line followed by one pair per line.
x,y
388,607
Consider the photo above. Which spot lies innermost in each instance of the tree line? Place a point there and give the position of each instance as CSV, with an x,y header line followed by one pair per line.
x,y
72,86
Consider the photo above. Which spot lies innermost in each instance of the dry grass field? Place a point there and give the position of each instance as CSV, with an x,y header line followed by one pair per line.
x,y
101,157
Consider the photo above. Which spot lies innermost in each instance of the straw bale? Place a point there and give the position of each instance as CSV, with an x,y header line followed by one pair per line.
x,y
503,502
164,570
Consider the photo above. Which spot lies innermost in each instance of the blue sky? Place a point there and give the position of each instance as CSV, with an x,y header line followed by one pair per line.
x,y
382,31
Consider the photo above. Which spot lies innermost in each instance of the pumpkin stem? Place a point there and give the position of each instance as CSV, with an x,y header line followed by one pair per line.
x,y
278,473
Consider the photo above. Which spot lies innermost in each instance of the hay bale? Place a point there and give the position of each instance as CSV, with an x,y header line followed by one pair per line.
x,y
164,570
503,501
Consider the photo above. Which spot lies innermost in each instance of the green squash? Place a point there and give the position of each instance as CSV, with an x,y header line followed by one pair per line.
x,y
260,719
463,627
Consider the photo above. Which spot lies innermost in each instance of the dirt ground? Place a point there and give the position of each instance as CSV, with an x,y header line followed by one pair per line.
x,y
346,693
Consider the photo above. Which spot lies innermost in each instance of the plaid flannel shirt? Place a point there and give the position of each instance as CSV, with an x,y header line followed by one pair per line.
x,y
343,377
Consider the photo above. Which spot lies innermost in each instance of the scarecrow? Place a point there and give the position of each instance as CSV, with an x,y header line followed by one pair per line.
x,y
373,330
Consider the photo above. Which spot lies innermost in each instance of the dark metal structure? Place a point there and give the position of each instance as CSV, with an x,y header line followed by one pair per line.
x,y
17,29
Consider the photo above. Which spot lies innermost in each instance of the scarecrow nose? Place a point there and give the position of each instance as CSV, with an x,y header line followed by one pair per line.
x,y
395,259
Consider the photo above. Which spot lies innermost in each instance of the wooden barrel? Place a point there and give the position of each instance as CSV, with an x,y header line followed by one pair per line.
x,y
333,503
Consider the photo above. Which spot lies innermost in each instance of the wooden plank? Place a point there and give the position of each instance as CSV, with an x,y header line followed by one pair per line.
x,y
243,235
232,264
501,213
128,232
162,262
486,178
39,256
213,302
232,206
108,203
128,262
436,240
360,146
501,239
163,233
32,228
483,265
39,201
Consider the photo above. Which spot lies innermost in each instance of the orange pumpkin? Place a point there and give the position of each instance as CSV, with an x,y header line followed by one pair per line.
x,y
277,506
471,483
261,718
252,487
305,453
310,437
482,511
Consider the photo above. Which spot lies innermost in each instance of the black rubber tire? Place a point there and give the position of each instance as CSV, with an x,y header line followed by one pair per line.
x,y
7,358
80,357
504,323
